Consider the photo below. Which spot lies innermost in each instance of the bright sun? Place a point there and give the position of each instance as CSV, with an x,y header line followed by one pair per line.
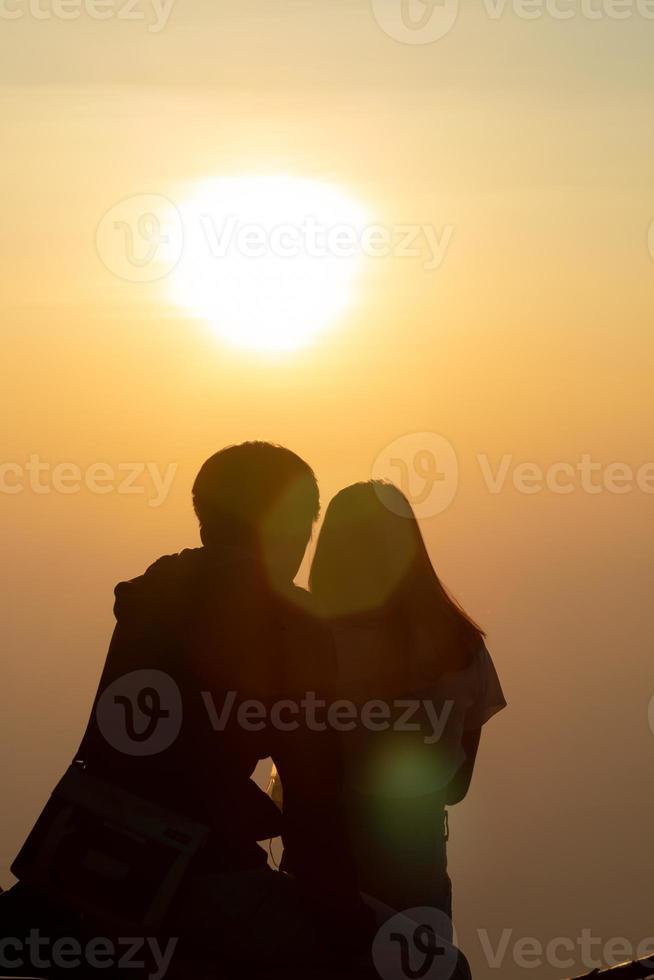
x,y
269,261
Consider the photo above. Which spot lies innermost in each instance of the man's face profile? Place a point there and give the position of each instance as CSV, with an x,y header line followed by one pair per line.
x,y
286,532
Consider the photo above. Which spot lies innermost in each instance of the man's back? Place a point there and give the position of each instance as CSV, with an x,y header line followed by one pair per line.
x,y
207,624
205,654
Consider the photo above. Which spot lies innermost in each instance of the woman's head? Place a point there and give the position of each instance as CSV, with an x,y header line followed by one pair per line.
x,y
371,565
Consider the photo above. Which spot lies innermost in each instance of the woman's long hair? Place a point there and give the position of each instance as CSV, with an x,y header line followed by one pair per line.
x,y
371,569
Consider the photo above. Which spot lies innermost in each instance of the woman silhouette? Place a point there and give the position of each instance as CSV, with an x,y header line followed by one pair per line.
x,y
417,667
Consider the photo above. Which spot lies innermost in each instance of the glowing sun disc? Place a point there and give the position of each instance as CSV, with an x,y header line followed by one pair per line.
x,y
269,261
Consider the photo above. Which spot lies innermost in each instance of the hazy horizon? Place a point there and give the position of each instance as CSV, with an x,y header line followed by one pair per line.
x,y
529,343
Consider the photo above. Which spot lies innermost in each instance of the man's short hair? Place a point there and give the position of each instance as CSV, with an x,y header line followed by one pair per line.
x,y
254,488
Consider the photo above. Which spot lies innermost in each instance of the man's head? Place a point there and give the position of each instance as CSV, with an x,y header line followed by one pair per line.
x,y
260,497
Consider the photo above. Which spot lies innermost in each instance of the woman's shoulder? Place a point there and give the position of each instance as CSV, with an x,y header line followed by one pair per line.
x,y
474,688
489,697
473,665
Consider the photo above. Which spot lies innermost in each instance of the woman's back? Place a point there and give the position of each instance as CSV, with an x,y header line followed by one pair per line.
x,y
400,764
418,671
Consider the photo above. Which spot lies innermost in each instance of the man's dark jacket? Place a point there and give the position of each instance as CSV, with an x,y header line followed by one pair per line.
x,y
212,621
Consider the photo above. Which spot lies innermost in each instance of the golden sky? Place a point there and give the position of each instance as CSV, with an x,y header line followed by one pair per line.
x,y
532,141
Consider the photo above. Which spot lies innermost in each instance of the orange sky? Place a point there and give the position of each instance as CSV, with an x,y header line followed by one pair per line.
x,y
532,340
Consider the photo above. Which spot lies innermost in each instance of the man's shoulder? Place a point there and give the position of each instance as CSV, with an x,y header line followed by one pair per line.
x,y
167,566
163,580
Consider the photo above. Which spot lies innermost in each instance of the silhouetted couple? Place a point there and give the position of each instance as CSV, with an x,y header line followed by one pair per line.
x,y
368,693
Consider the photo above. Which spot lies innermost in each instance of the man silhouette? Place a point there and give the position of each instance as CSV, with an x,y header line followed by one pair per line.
x,y
207,642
